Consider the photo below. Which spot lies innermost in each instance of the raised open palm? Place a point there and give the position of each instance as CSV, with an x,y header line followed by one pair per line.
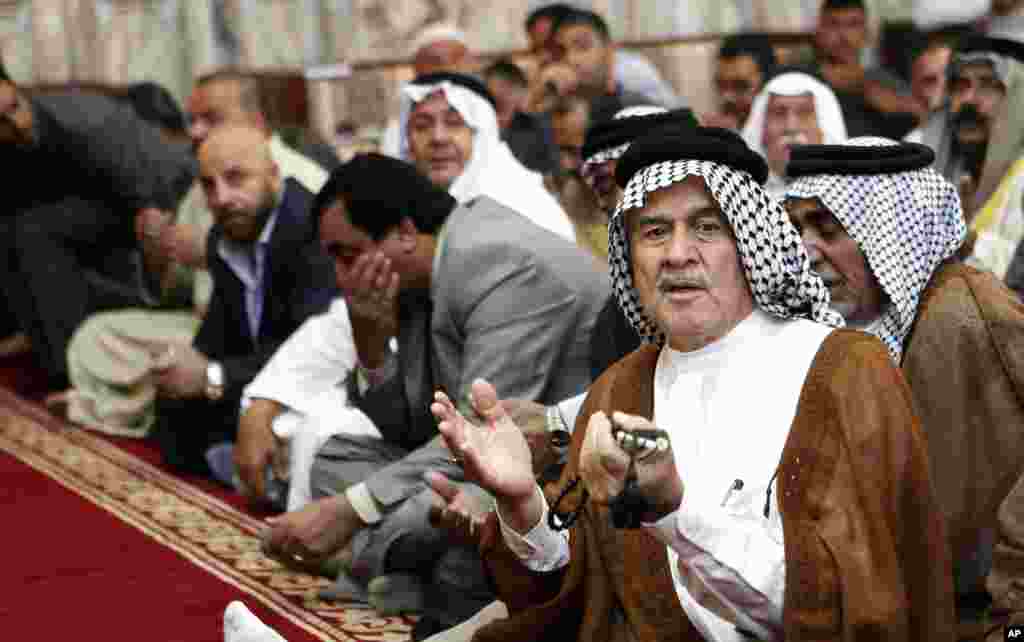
x,y
495,455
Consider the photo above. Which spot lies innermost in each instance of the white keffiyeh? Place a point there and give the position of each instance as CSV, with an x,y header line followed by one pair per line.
x,y
491,170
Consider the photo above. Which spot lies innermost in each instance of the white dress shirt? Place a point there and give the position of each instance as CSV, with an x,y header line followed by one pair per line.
x,y
728,408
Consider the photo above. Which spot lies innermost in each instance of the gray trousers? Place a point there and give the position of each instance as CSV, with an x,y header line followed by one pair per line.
x,y
404,541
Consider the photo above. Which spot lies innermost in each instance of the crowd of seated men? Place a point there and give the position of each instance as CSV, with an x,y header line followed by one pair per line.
x,y
560,356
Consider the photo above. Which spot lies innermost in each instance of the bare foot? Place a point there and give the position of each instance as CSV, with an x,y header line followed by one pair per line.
x,y
15,344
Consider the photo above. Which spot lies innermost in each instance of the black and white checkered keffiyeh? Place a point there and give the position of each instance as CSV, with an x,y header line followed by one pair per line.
x,y
773,257
906,223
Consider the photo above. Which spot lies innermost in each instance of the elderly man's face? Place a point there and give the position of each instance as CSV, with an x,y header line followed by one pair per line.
x,y
928,77
440,141
838,260
841,35
737,81
582,48
16,118
788,120
686,266
600,178
975,96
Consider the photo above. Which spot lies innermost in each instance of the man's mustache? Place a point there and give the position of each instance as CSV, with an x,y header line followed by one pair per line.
x,y
827,274
794,138
668,281
969,116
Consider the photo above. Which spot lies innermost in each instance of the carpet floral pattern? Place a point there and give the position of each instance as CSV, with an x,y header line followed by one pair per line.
x,y
209,533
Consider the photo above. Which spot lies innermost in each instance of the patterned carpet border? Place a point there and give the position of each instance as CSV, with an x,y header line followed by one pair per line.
x,y
209,533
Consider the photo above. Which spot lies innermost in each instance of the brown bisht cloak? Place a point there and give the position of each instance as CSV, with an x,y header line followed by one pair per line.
x,y
964,362
865,543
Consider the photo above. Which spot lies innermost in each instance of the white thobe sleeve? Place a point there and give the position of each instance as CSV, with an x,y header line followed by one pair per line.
x,y
541,549
569,410
306,372
735,554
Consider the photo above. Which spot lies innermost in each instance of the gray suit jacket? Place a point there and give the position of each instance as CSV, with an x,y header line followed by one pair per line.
x,y
510,302
514,304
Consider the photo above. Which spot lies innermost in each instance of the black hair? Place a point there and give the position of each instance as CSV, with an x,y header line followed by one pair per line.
x,y
3,73
925,42
251,95
508,70
838,5
379,191
466,81
156,105
552,11
575,17
757,46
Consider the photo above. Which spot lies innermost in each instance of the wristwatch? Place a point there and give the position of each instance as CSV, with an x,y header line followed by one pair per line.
x,y
214,381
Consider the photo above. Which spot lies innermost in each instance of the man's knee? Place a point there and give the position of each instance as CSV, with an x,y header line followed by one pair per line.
x,y
347,460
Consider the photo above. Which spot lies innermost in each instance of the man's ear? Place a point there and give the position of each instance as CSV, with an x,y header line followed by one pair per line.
x,y
259,121
407,234
610,62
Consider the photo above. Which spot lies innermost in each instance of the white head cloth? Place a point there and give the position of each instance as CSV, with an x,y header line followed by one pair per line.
x,y
773,257
614,153
491,169
437,32
796,83
906,223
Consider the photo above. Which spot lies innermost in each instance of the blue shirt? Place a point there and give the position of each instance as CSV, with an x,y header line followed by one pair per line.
x,y
248,261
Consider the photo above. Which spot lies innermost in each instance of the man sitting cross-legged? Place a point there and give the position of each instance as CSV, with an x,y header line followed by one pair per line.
x,y
882,229
789,496
269,275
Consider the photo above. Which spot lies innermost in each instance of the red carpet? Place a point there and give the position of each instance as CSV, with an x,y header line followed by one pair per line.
x,y
72,570
100,541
